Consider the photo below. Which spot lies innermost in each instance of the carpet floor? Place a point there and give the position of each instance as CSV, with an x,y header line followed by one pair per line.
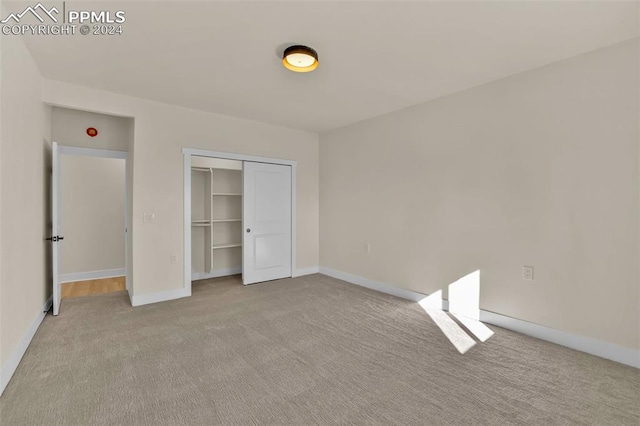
x,y
309,350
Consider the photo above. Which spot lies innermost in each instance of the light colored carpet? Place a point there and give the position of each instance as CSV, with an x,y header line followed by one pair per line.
x,y
310,350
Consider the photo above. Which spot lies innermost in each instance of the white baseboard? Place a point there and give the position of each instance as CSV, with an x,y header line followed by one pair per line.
x,y
162,296
373,285
92,275
11,364
589,345
195,276
305,271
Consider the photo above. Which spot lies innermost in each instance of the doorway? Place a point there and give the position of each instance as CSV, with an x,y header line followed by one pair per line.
x,y
239,216
89,222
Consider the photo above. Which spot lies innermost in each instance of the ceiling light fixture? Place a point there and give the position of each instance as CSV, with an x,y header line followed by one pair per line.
x,y
300,58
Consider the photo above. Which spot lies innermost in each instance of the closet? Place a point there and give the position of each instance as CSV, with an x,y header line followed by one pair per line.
x,y
216,217
240,216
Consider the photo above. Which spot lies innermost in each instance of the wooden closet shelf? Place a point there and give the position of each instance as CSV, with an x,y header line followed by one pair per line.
x,y
223,246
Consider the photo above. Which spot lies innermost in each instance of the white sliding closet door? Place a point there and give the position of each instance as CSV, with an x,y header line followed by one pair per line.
x,y
266,216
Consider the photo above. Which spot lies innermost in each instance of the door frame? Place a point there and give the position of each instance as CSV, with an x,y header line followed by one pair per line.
x,y
105,153
187,153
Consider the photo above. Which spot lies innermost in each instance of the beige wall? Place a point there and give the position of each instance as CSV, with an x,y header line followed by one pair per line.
x,y
540,169
161,131
92,214
24,280
69,127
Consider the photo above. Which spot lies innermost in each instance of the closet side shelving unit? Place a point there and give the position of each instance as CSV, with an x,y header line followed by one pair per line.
x,y
217,238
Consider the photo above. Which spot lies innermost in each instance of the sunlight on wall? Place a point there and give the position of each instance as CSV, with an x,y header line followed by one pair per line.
x,y
464,296
464,307
432,301
432,305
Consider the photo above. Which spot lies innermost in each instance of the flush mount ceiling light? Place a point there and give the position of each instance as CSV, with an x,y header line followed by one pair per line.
x,y
300,58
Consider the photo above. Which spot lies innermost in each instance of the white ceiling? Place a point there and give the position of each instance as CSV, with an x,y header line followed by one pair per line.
x,y
375,57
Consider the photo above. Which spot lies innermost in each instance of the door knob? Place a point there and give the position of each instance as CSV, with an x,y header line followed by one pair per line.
x,y
248,230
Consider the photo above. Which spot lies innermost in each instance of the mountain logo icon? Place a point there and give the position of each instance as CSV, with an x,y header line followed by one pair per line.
x,y
38,11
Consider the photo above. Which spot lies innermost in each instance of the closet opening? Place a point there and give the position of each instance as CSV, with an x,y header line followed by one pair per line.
x,y
216,218
239,214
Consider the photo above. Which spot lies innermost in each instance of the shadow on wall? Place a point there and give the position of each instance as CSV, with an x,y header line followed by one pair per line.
x,y
463,319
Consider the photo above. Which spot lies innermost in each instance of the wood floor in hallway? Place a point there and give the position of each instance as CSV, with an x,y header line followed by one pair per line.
x,y
91,287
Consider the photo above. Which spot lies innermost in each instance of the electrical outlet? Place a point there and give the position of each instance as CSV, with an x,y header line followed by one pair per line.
x,y
527,272
367,248
148,217
174,258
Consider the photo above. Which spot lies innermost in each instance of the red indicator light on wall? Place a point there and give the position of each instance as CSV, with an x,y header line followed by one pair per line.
x,y
92,131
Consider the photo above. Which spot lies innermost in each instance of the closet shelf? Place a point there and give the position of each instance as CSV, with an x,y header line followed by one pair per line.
x,y
227,194
223,246
200,224
226,220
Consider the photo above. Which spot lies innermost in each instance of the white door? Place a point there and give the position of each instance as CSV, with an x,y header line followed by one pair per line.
x,y
266,217
55,226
